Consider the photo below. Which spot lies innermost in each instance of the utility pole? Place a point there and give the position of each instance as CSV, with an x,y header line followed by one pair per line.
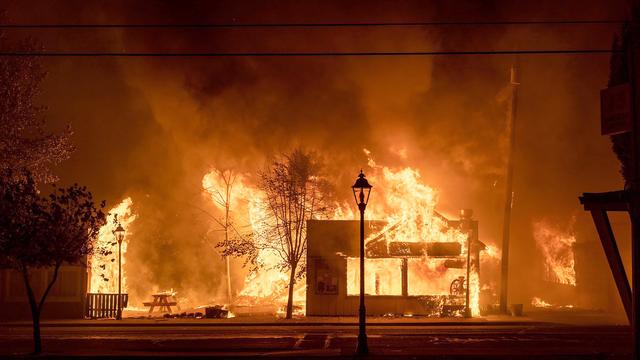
x,y
506,224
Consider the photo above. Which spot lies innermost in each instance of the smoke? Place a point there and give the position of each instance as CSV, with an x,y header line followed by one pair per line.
x,y
150,128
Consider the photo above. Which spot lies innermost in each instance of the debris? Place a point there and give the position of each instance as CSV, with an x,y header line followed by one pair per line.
x,y
216,312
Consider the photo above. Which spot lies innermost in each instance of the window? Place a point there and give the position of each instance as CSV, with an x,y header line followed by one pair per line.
x,y
326,280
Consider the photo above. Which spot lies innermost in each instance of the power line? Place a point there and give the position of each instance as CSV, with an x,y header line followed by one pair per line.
x,y
309,54
316,25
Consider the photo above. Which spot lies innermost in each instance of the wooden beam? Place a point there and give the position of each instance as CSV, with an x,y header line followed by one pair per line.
x,y
405,277
607,238
608,201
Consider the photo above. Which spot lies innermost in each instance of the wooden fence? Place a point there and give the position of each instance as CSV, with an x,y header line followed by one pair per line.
x,y
99,306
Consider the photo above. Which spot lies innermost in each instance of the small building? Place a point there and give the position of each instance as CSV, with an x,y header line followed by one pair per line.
x,y
419,277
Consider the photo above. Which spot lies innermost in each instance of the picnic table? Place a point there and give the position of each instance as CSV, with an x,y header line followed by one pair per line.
x,y
163,301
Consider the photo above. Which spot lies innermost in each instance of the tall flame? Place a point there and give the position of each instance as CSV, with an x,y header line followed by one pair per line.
x,y
557,247
409,208
248,207
104,263
399,197
269,282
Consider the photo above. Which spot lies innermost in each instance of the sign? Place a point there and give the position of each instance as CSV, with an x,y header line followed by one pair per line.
x,y
615,110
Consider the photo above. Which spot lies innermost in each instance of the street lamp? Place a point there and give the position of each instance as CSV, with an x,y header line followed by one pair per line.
x,y
119,234
361,191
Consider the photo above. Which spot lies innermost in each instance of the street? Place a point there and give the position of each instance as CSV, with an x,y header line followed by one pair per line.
x,y
437,340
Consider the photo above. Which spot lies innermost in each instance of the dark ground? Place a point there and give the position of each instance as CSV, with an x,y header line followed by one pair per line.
x,y
486,338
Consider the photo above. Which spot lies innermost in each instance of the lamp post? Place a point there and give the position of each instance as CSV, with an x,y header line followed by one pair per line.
x,y
119,234
361,190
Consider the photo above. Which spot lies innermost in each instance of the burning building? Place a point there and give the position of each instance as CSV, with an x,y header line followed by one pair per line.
x,y
415,276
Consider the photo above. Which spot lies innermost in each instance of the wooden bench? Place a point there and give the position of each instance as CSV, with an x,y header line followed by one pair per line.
x,y
98,306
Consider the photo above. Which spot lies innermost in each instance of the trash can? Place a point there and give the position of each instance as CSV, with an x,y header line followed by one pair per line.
x,y
515,309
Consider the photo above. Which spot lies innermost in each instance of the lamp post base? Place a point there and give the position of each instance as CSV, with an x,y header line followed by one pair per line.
x,y
467,313
363,347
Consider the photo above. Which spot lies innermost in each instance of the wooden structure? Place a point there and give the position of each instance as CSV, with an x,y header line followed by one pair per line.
x,y
163,301
66,299
332,253
598,204
100,306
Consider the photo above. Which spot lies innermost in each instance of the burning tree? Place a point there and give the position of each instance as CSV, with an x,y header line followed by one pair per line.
x,y
220,185
24,143
294,192
38,232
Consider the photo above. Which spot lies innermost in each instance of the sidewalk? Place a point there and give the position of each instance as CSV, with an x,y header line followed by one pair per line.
x,y
538,318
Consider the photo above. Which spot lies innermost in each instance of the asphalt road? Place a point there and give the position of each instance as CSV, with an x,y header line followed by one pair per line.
x,y
519,341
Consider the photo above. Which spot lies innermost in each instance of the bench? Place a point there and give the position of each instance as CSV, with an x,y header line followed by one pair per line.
x,y
99,306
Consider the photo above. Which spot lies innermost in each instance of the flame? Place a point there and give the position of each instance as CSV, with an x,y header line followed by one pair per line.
x,y
492,252
557,248
268,285
381,276
104,267
539,303
474,292
402,200
214,184
408,206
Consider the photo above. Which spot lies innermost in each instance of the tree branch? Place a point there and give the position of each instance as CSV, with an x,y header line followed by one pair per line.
x,y
53,280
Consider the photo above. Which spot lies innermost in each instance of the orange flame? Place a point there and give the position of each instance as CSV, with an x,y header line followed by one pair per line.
x,y
399,197
104,267
557,247
539,303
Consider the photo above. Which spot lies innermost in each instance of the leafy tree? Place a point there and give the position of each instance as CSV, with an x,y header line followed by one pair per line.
x,y
24,142
294,192
44,232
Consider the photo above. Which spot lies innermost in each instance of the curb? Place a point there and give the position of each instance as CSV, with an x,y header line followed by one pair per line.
x,y
197,323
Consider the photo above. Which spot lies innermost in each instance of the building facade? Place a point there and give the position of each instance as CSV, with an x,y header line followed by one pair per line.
x,y
401,278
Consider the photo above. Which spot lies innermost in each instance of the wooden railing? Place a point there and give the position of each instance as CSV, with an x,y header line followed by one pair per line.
x,y
99,306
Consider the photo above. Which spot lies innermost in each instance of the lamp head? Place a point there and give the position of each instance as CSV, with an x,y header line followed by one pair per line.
x,y
119,233
361,190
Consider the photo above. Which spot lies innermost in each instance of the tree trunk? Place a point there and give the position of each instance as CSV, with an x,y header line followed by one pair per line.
x,y
37,342
36,308
292,280
35,312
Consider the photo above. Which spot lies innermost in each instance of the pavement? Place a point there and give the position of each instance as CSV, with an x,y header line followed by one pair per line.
x,y
276,321
536,336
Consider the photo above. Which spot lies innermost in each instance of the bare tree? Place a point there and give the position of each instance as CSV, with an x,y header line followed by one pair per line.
x,y
44,232
222,198
294,192
24,142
